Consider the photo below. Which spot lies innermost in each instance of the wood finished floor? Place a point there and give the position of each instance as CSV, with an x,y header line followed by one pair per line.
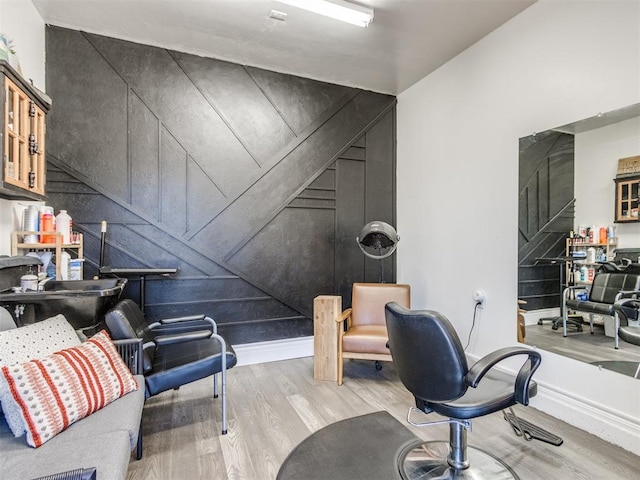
x,y
274,406
581,346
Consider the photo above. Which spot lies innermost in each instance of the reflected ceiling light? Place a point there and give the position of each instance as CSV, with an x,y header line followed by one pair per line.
x,y
338,9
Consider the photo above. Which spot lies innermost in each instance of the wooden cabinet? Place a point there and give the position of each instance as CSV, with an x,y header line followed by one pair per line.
x,y
23,130
19,247
627,198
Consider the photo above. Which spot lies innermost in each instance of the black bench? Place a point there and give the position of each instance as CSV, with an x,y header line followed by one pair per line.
x,y
606,290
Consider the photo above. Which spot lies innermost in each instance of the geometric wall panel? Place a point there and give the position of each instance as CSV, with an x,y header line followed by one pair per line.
x,y
252,183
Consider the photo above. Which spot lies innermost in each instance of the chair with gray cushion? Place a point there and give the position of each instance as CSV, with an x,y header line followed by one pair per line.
x,y
628,311
628,314
606,289
432,365
175,352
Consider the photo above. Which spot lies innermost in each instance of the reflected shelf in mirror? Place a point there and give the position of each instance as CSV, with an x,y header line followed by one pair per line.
x,y
571,200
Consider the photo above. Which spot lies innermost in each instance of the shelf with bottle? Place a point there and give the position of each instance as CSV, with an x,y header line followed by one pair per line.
x,y
586,252
24,241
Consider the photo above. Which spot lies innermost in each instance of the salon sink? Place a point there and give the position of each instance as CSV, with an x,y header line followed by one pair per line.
x,y
83,302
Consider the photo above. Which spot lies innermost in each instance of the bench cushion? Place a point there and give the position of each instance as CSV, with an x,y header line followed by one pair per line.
x,y
114,430
108,452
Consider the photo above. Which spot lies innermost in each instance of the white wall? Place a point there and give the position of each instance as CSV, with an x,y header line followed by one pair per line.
x,y
458,131
596,155
21,22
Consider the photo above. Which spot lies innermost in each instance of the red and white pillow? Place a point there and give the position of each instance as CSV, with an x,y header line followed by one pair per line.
x,y
22,344
55,391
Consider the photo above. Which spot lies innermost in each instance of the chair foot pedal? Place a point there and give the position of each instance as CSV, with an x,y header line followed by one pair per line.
x,y
215,396
224,432
532,431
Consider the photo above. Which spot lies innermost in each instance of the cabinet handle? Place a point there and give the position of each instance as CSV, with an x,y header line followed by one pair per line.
x,y
33,145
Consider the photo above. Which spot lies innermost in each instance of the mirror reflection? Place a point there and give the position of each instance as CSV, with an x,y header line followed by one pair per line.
x,y
579,239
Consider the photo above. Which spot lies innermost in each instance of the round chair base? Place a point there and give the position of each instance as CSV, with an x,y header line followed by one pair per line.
x,y
429,460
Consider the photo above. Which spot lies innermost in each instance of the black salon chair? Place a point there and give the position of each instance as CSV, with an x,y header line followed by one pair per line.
x,y
628,314
176,351
431,364
628,311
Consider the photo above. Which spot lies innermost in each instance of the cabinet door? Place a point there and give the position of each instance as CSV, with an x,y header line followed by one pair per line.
x,y
628,200
24,162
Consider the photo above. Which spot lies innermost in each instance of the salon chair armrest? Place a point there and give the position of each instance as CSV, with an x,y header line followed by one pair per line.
x,y
625,308
628,302
183,324
522,380
169,338
627,294
577,287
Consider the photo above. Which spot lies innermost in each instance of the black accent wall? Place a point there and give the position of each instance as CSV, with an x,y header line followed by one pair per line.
x,y
546,214
254,184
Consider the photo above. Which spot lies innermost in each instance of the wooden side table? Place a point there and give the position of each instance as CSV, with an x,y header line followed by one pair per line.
x,y
326,308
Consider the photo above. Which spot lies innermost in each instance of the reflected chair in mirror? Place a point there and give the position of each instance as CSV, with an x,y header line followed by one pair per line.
x,y
607,289
176,351
364,333
628,330
522,329
432,365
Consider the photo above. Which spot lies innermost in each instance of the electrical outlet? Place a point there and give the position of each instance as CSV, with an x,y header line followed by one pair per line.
x,y
479,297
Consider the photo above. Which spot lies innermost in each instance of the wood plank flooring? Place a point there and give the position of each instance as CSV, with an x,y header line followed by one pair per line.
x,y
274,406
581,346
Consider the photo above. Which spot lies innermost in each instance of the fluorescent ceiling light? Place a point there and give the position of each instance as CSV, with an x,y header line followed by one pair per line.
x,y
338,9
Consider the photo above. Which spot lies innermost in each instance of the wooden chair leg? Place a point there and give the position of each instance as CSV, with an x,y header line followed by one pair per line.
x,y
340,367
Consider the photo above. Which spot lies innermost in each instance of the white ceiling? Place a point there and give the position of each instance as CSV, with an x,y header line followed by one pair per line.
x,y
407,40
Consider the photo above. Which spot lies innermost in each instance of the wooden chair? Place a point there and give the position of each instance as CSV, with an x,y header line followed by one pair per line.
x,y
365,336
522,332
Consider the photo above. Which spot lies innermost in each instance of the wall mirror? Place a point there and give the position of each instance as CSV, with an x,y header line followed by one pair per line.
x,y
566,182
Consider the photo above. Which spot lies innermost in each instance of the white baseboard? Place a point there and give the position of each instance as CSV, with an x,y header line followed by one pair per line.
x,y
273,351
601,421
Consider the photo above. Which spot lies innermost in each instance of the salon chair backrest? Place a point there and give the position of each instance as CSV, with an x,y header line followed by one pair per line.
x,y
126,320
427,352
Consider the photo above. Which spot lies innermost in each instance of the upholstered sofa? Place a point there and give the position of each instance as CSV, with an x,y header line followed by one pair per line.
x,y
102,440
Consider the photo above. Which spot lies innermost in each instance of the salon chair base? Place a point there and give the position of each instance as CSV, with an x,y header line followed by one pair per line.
x,y
428,460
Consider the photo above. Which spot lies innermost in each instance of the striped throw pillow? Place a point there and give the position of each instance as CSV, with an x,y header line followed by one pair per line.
x,y
54,392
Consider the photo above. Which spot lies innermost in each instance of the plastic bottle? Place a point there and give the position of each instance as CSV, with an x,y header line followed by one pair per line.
x,y
64,265
63,225
584,274
46,225
603,235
